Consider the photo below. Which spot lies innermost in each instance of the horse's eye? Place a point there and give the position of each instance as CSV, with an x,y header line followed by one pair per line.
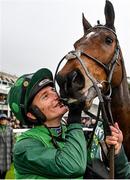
x,y
109,40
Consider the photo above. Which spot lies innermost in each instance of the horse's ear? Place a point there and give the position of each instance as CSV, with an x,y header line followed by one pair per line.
x,y
109,15
86,24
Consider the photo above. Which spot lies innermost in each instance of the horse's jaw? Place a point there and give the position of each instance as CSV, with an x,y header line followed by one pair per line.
x,y
89,96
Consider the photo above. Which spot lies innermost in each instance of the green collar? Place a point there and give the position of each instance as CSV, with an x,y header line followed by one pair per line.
x,y
44,134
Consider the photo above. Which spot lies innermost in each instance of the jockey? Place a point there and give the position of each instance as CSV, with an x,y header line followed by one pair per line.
x,y
51,149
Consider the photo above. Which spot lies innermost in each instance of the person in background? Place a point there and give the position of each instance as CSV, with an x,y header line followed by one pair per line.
x,y
50,149
6,145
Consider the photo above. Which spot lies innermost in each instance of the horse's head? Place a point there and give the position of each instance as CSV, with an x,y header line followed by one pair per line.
x,y
98,52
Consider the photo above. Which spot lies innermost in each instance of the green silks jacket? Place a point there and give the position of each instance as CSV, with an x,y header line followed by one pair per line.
x,y
35,156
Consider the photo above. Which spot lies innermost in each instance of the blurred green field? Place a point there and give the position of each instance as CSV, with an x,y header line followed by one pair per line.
x,y
10,173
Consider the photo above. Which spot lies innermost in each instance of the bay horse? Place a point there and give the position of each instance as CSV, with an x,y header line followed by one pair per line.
x,y
97,61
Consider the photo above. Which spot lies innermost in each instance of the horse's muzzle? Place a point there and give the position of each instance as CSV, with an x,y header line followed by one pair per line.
x,y
70,84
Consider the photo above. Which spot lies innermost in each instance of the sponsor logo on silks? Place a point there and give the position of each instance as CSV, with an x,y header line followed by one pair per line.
x,y
43,82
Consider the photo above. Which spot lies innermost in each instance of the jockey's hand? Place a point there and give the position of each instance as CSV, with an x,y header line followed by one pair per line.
x,y
116,138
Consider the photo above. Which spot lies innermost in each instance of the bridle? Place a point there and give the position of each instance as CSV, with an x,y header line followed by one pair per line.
x,y
109,68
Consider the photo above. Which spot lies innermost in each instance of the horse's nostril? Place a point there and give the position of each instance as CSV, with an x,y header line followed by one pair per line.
x,y
76,80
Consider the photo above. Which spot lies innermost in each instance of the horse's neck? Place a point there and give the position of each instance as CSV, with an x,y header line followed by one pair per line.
x,y
121,101
120,95
121,98
121,111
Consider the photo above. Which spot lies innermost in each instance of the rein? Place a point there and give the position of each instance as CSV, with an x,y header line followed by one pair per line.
x,y
109,68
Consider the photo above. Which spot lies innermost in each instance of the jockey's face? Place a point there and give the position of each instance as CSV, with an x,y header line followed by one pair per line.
x,y
48,102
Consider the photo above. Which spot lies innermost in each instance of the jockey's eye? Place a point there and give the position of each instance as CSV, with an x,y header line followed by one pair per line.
x,y
109,40
44,96
53,89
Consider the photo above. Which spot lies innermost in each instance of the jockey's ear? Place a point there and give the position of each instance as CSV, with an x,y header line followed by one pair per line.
x,y
30,115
